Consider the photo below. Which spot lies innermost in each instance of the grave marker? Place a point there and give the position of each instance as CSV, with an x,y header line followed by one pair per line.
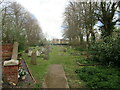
x,y
10,69
33,58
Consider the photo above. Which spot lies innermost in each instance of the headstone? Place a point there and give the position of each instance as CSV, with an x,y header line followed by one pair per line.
x,y
15,51
46,57
37,53
33,58
40,51
29,52
43,50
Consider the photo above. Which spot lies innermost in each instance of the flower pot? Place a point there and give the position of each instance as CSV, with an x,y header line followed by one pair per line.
x,y
23,77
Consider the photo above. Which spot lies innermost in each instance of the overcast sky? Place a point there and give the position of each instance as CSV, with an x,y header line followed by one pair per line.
x,y
49,13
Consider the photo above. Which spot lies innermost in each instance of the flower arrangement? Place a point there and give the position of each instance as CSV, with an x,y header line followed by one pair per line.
x,y
22,73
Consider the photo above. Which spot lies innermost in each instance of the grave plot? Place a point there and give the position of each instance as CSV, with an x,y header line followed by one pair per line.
x,y
11,71
29,80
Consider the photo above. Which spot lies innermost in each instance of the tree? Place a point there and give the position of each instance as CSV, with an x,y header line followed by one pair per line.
x,y
79,21
19,25
105,14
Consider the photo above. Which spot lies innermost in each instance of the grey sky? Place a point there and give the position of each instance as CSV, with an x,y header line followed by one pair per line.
x,y
49,13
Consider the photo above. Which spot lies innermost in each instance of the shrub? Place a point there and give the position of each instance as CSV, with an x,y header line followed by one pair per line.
x,y
107,51
100,77
85,61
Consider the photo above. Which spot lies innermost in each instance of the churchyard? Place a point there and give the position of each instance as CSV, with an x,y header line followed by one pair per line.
x,y
60,44
57,66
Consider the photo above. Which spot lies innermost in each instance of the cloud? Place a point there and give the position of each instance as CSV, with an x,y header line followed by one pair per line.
x,y
49,14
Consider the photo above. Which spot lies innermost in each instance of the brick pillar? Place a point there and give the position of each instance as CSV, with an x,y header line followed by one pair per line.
x,y
10,74
10,71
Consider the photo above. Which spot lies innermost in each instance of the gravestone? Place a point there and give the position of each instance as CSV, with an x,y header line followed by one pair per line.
x,y
46,57
43,50
15,51
37,53
29,52
33,58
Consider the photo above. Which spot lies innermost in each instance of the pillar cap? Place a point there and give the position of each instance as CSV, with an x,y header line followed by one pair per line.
x,y
11,62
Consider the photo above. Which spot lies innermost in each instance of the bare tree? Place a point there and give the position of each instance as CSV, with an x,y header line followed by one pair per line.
x,y
19,25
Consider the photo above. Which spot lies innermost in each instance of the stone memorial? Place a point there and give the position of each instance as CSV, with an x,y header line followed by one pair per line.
x,y
37,53
29,52
33,58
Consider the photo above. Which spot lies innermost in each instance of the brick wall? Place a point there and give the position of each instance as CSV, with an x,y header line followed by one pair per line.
x,y
6,51
10,73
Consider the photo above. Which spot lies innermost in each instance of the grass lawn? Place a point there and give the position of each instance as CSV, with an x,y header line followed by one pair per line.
x,y
56,56
77,76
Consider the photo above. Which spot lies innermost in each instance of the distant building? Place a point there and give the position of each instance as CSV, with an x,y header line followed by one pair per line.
x,y
59,41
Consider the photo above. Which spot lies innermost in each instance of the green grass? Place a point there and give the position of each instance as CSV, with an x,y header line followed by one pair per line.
x,y
57,56
100,77
78,77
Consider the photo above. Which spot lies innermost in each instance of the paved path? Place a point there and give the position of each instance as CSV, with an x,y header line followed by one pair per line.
x,y
0,73
55,77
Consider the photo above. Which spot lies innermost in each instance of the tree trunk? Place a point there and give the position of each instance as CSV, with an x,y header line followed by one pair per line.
x,y
88,40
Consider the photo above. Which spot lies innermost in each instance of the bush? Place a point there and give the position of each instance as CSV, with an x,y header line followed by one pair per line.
x,y
107,51
80,49
100,77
